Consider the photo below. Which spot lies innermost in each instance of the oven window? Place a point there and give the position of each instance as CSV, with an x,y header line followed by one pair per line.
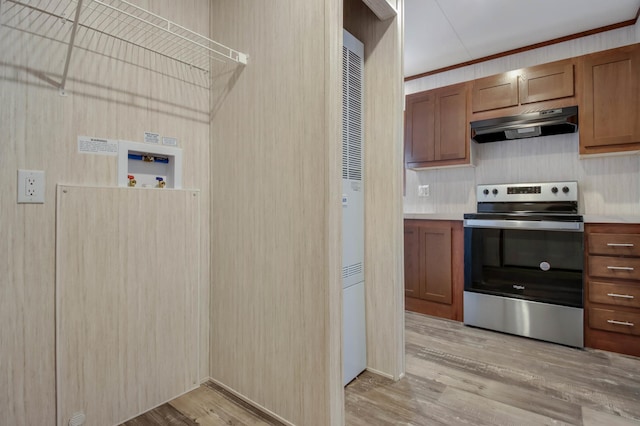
x,y
543,266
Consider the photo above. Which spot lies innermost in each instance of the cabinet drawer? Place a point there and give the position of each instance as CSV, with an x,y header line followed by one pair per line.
x,y
614,244
612,320
615,293
614,267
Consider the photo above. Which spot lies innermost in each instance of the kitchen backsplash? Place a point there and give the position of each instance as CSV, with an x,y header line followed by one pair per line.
x,y
607,185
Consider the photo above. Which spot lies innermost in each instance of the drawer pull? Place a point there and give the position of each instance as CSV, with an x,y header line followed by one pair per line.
x,y
620,268
623,296
628,324
619,244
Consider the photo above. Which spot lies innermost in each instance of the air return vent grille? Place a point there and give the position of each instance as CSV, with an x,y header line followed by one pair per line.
x,y
352,116
351,270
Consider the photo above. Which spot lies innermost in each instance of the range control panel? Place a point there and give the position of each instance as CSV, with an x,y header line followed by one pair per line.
x,y
528,192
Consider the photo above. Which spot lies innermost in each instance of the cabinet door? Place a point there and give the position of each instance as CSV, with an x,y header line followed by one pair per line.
x,y
419,131
451,123
435,245
497,91
546,82
411,261
610,108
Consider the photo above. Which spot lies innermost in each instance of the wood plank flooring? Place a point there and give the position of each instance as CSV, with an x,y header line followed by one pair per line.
x,y
458,375
208,405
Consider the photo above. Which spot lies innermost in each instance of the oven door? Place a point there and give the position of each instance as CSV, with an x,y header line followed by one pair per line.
x,y
535,260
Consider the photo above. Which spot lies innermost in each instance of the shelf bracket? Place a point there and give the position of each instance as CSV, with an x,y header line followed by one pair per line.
x,y
72,40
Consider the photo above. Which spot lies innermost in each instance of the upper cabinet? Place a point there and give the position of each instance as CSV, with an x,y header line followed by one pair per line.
x,y
437,127
497,91
546,82
605,86
609,112
419,128
525,86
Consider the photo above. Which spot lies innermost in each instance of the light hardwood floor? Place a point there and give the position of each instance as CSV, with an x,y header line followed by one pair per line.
x,y
459,375
208,405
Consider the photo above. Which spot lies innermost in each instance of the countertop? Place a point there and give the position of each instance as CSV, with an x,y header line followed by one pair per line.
x,y
588,218
434,216
591,218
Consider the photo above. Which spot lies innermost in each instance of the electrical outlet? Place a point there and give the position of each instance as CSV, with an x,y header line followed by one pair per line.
x,y
423,190
30,189
30,186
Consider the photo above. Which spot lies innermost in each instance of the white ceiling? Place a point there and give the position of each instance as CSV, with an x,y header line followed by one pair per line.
x,y
440,33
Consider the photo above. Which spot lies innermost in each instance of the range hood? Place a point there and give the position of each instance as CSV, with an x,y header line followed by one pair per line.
x,y
542,123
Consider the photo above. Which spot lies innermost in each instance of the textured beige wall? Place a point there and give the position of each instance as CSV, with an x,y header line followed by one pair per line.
x,y
275,206
275,295
276,287
384,265
115,91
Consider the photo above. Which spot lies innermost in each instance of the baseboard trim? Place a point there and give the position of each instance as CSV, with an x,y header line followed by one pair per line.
x,y
252,403
162,403
380,373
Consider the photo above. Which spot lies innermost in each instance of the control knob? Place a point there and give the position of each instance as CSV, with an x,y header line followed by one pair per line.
x,y
554,189
565,189
495,191
485,192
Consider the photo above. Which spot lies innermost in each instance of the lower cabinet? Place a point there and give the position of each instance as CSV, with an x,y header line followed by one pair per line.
x,y
434,272
612,302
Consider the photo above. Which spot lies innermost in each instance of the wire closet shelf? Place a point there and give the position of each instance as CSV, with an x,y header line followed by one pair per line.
x,y
130,23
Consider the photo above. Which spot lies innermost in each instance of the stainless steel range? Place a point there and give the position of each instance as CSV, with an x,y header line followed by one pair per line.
x,y
523,260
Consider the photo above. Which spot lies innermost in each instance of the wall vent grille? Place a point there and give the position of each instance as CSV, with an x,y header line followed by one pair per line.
x,y
352,116
351,270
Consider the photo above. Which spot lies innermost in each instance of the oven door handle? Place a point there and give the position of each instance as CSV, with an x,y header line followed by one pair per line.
x,y
542,225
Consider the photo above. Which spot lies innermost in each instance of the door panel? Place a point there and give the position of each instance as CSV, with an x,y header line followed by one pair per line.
x,y
411,262
436,261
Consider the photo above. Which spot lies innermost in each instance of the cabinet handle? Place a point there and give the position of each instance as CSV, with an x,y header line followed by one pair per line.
x,y
623,296
620,268
619,244
628,324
